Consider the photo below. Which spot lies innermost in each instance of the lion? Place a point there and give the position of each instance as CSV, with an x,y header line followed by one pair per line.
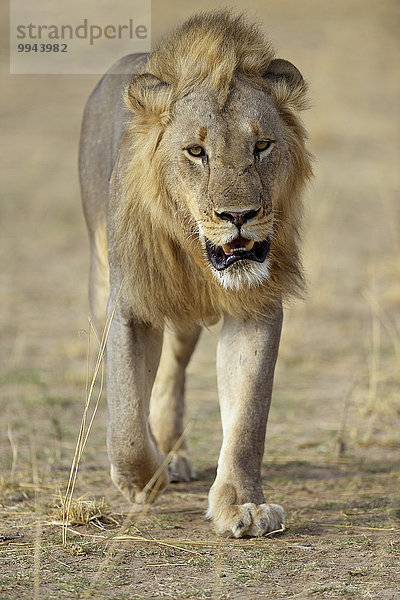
x,y
193,161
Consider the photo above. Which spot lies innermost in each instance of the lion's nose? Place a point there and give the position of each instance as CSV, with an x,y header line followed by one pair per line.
x,y
237,218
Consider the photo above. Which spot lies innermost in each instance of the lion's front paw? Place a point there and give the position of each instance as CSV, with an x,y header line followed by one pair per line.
x,y
139,492
180,467
238,520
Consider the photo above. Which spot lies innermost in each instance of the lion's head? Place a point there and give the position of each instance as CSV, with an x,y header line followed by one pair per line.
x,y
215,163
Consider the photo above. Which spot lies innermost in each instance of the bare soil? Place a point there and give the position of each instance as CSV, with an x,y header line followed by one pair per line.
x,y
333,445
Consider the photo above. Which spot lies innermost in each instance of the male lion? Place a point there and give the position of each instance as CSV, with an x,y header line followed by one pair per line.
x,y
192,164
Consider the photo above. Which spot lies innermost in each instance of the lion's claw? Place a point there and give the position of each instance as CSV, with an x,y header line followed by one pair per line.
x,y
238,520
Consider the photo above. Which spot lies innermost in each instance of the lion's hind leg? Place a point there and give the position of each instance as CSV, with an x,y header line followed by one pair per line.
x,y
167,401
99,279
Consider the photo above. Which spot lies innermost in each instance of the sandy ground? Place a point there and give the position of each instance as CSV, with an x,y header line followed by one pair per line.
x,y
333,446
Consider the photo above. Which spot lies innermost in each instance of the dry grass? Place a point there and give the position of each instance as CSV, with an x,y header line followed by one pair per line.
x,y
82,511
86,425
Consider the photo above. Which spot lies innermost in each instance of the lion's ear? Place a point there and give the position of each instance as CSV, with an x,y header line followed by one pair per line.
x,y
147,93
280,69
287,83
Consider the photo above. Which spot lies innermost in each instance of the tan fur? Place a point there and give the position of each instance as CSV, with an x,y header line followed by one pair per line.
x,y
214,82
150,223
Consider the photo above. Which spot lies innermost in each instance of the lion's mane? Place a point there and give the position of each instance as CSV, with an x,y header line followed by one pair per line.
x,y
156,239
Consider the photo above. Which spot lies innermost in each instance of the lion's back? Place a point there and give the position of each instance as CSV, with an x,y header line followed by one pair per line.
x,y
102,130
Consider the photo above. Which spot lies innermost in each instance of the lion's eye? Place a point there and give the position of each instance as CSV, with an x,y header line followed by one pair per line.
x,y
197,151
262,145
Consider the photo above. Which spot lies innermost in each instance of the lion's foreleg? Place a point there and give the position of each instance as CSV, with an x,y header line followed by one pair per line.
x,y
167,400
133,353
246,357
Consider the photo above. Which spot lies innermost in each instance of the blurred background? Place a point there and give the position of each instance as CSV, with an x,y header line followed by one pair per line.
x,y
338,373
332,452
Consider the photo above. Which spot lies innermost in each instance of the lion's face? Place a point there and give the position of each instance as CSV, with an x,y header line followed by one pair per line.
x,y
226,167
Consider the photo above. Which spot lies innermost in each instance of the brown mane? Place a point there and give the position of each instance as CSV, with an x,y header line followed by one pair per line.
x,y
155,236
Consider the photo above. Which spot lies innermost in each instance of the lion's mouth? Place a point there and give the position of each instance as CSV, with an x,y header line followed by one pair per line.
x,y
240,248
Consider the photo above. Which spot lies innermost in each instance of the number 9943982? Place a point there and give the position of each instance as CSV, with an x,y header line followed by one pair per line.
x,y
43,47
